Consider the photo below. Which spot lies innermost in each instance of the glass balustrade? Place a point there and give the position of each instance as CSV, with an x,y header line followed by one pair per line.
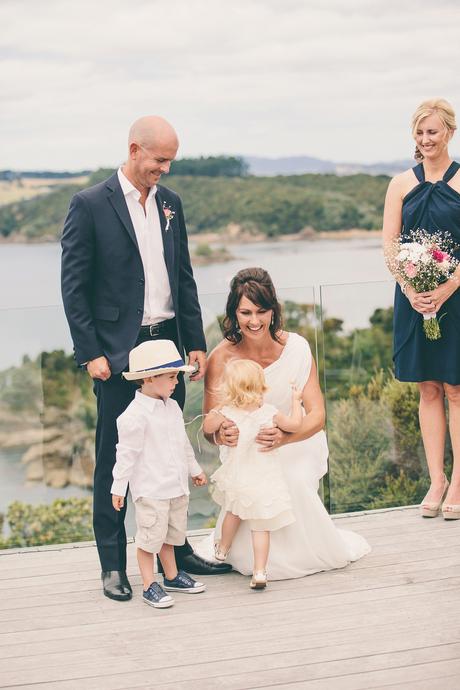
x,y
375,451
46,431
47,414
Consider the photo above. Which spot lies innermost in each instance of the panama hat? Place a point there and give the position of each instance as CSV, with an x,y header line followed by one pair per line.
x,y
154,357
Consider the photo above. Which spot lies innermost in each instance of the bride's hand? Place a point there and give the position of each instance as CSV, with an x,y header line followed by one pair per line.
x,y
270,438
228,433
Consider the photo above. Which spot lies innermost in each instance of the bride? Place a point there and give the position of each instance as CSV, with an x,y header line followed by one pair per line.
x,y
252,330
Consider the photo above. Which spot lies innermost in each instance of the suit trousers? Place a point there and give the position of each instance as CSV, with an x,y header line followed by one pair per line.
x,y
113,397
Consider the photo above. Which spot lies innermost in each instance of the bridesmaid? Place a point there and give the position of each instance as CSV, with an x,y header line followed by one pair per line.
x,y
428,197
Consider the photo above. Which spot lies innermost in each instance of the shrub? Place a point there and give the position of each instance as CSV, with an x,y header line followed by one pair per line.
x,y
203,250
360,453
402,400
60,522
400,491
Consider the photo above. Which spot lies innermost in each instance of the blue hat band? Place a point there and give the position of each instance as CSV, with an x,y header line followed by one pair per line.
x,y
168,365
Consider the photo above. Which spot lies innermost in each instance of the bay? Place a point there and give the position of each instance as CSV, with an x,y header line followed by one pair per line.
x,y
29,273
349,276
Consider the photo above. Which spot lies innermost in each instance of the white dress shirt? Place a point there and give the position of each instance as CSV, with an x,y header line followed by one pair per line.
x,y
158,304
154,454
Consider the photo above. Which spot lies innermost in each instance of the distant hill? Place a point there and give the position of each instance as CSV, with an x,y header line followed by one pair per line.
x,y
10,175
240,166
294,165
301,165
384,168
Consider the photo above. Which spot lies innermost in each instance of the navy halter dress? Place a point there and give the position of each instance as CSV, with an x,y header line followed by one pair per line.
x,y
431,206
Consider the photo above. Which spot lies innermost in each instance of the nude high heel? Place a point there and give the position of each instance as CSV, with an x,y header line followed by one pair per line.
x,y
430,509
450,511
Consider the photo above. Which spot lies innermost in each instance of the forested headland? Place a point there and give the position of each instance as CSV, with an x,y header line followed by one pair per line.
x,y
218,194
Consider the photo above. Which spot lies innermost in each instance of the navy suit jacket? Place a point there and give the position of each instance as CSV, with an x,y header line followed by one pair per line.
x,y
102,275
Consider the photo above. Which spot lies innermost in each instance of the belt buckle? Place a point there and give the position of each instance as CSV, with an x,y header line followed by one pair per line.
x,y
154,329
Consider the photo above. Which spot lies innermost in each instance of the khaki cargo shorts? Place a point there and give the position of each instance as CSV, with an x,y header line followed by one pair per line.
x,y
160,521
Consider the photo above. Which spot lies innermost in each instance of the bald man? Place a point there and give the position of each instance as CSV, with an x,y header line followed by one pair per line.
x,y
126,277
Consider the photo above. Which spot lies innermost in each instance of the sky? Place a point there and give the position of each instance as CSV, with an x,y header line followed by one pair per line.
x,y
333,79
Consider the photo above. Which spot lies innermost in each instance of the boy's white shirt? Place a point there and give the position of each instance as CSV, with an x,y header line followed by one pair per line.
x,y
154,454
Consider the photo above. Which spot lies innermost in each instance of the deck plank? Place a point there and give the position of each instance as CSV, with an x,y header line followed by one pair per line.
x,y
387,621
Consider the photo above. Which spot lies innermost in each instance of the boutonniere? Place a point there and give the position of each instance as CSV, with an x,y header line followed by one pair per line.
x,y
169,215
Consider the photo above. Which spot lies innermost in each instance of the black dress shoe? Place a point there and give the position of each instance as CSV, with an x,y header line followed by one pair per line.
x,y
116,585
196,565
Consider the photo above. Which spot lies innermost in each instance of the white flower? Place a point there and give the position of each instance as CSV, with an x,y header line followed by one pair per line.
x,y
445,266
403,255
412,251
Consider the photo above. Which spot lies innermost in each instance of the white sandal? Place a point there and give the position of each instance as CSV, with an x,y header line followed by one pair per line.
x,y
259,579
218,554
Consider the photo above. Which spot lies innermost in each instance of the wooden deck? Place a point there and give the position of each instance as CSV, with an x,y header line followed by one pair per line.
x,y
391,620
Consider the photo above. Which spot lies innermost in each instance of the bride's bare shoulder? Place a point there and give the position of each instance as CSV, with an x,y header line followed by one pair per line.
x,y
283,337
220,355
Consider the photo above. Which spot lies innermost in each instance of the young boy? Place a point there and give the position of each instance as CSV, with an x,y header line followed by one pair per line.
x,y
155,456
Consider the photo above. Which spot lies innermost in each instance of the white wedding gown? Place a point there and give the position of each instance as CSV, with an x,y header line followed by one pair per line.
x,y
312,543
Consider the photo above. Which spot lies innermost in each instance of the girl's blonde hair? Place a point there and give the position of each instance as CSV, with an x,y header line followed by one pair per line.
x,y
243,383
443,110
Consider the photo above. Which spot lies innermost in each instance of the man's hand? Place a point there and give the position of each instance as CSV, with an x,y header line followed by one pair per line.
x,y
200,479
197,357
118,502
99,368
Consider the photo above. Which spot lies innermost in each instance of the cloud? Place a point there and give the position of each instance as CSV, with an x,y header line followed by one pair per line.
x,y
301,77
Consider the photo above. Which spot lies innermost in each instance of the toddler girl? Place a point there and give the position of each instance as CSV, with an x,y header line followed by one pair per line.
x,y
250,484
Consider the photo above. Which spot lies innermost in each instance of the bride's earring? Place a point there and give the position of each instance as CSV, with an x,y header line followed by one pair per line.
x,y
237,327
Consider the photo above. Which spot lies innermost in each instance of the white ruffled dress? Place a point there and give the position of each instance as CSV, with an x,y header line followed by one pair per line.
x,y
251,484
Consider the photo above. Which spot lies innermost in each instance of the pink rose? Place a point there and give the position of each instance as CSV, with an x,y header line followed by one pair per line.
x,y
411,270
167,212
439,256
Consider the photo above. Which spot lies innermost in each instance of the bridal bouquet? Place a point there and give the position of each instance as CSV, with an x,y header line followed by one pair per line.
x,y
424,262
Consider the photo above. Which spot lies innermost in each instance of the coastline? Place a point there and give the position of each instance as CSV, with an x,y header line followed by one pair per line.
x,y
213,238
23,239
247,238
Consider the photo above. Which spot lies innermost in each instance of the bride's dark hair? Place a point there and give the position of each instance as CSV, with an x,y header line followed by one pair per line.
x,y
256,285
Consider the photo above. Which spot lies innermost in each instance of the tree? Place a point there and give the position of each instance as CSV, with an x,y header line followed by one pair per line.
x,y
211,166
